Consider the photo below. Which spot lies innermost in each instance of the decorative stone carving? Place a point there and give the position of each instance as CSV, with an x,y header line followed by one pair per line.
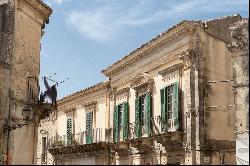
x,y
187,56
122,94
171,69
143,80
70,109
90,104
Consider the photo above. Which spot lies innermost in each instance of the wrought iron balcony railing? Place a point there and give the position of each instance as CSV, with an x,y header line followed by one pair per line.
x,y
81,138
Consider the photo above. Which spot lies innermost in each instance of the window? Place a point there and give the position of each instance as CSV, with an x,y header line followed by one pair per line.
x,y
3,28
69,131
170,103
44,148
89,127
170,108
143,115
121,122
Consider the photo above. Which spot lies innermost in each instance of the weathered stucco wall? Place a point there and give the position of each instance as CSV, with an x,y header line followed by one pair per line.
x,y
47,128
22,60
80,112
28,23
220,118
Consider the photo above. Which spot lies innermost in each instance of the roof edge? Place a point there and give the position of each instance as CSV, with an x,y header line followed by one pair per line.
x,y
149,43
81,92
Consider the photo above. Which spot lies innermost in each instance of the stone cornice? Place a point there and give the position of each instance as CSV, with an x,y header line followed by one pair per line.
x,y
171,69
41,7
70,109
89,90
123,90
157,63
167,37
89,104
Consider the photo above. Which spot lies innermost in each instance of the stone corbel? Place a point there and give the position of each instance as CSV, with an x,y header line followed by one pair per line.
x,y
187,56
69,109
89,104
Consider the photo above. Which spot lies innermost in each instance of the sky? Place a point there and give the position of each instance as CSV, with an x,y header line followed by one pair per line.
x,y
84,37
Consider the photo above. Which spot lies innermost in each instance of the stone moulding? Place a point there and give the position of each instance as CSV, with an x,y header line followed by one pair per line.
x,y
70,109
94,147
84,92
146,49
44,9
89,104
123,90
212,144
141,79
171,69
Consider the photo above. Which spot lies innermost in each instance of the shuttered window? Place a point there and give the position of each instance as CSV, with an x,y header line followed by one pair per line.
x,y
170,108
125,121
176,106
143,114
89,127
148,125
137,118
116,124
69,130
3,30
121,122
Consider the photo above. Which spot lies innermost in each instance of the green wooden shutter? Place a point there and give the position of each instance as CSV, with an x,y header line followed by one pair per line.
x,y
148,113
137,118
166,109
163,110
69,131
3,31
125,122
89,122
116,123
176,105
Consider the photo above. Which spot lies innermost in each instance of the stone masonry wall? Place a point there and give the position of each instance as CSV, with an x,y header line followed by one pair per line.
x,y
240,53
47,128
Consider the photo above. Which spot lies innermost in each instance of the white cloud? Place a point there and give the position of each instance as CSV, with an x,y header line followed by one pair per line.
x,y
104,20
59,2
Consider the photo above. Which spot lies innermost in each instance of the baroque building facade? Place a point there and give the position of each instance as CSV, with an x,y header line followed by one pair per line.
x,y
168,102
21,28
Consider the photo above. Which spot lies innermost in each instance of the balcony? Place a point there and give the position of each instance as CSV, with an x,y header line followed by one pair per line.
x,y
171,139
78,143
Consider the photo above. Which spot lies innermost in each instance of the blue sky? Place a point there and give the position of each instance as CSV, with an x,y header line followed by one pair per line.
x,y
86,36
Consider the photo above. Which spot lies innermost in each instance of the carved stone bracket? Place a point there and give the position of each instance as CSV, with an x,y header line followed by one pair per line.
x,y
187,56
70,109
